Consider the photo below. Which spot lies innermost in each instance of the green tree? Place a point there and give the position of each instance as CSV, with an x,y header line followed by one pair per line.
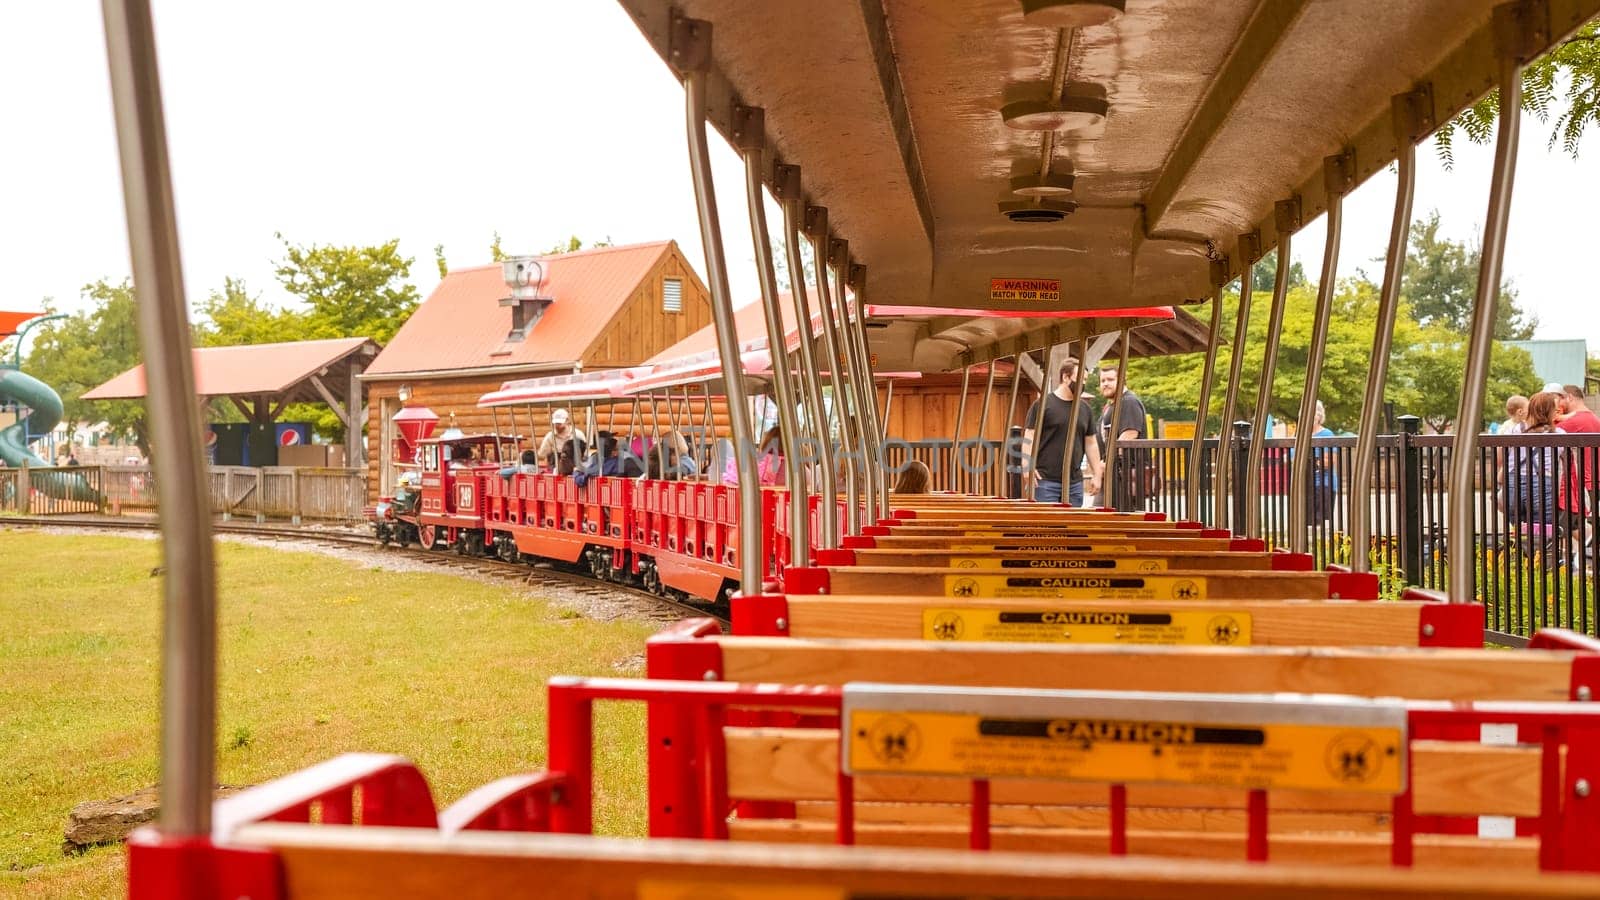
x,y
1265,274
496,254
351,291
1573,64
87,349
1435,368
233,316
1441,279
573,244
438,260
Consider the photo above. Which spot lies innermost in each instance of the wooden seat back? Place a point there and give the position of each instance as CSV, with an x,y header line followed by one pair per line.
x,y
1068,584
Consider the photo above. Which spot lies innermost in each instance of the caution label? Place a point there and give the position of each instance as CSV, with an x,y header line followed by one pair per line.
x,y
1043,548
1026,535
1109,564
1343,758
653,889
1213,628
1040,290
1111,586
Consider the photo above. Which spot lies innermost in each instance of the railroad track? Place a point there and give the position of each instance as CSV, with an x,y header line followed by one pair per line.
x,y
534,576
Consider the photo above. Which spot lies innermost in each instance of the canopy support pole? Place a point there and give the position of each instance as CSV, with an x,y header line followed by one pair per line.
x,y
955,436
750,131
983,414
1197,445
1338,175
861,424
189,620
1460,533
792,201
1075,416
1112,433
817,233
856,333
691,41
1011,416
1288,221
1249,251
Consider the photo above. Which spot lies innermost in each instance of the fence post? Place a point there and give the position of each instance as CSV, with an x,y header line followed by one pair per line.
x,y
1410,499
24,489
100,488
261,495
1241,472
294,496
227,493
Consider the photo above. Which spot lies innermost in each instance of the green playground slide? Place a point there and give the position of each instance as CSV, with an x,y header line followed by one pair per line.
x,y
45,406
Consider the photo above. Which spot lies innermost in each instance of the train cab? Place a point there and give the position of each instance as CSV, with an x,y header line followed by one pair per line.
x,y
455,468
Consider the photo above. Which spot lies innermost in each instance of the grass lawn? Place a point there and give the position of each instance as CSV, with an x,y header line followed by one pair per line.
x,y
318,656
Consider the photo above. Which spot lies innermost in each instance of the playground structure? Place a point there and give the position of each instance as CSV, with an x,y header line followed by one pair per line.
x,y
44,414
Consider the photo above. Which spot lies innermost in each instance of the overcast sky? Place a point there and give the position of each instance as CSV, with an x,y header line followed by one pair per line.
x,y
356,122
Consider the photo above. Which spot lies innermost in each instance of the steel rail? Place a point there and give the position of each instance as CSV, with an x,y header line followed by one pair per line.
x,y
1461,527
1338,174
751,560
189,623
1269,366
1191,497
791,426
1382,345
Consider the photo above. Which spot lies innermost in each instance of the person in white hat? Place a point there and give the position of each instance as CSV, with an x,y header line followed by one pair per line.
x,y
560,432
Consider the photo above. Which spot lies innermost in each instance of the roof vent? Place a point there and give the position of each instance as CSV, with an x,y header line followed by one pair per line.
x,y
525,276
1042,211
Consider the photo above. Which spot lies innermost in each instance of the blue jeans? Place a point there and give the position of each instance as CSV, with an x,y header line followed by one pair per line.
x,y
1050,492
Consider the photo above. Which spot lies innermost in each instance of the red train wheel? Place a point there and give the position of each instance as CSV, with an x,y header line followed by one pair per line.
x,y
428,536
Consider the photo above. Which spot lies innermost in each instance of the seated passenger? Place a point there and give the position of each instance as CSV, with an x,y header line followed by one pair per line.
x,y
529,465
914,478
769,465
606,463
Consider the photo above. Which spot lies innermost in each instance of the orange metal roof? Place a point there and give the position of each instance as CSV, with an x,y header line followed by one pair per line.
x,y
247,370
463,326
11,321
749,323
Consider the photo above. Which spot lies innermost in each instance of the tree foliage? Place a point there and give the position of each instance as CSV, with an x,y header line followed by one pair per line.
x,y
87,349
350,291
1441,278
1574,64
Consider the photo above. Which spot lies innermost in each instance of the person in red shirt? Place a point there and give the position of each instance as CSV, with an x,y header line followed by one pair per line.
x,y
1577,497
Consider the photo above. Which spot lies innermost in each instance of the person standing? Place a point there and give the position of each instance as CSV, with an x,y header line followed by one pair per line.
x,y
1516,415
1131,466
560,432
1052,444
1577,495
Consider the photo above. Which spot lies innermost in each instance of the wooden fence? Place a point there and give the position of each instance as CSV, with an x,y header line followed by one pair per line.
x,y
274,492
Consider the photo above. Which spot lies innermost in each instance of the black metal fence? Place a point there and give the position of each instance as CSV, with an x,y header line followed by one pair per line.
x,y
1536,510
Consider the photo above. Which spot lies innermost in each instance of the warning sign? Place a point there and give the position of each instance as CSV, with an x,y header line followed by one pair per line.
x,y
1212,628
1316,757
1108,564
1027,535
1043,548
1037,290
1078,587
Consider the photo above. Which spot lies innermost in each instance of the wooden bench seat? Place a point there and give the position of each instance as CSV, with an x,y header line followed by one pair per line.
x,y
1174,584
1119,561
1321,623
356,863
901,541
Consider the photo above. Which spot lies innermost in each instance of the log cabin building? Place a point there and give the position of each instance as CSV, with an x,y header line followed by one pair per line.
x,y
603,308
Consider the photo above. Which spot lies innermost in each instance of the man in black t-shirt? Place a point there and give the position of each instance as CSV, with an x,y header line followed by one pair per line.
x,y
1131,465
1052,448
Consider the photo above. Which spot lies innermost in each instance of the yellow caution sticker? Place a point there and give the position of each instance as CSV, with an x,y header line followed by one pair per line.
x,y
1212,628
1037,290
1108,564
1076,586
1314,757
1043,548
654,889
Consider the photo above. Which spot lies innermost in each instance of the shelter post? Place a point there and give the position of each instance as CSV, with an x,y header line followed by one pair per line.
x,y
1515,43
691,40
1412,113
1339,176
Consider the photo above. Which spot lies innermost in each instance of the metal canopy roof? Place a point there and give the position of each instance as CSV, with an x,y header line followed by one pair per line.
x,y
1217,110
